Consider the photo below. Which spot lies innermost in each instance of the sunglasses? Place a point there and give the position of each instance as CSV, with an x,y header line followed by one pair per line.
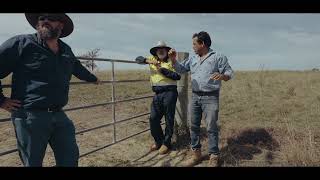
x,y
49,18
162,50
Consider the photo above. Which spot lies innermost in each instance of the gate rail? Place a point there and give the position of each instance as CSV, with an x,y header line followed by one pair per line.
x,y
113,102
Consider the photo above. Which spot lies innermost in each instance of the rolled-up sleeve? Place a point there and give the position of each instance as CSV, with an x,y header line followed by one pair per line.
x,y
224,67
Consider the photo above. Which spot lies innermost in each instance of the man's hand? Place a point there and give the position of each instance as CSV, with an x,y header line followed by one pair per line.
x,y
173,55
158,66
98,82
218,76
149,61
10,105
141,60
155,63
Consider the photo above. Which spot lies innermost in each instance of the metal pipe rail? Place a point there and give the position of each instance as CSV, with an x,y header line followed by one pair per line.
x,y
95,128
92,106
113,102
104,82
110,144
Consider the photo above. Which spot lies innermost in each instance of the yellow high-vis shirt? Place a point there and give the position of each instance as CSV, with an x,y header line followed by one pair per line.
x,y
158,79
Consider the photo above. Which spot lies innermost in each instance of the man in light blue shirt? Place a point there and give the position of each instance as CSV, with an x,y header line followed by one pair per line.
x,y
207,69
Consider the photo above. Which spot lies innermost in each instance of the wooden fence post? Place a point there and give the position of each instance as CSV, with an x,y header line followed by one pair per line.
x,y
181,129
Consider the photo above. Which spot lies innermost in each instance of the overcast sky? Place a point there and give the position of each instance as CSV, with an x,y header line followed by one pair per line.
x,y
276,41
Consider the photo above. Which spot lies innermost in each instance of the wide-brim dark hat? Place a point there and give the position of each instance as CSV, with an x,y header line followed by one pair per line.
x,y
65,19
160,44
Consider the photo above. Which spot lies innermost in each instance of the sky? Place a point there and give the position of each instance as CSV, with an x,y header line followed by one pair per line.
x,y
250,41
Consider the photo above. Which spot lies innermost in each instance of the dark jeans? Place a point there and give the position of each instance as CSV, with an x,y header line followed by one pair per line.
x,y
209,107
35,129
163,104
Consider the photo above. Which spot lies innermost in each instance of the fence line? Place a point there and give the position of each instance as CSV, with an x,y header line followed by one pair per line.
x,y
113,102
181,87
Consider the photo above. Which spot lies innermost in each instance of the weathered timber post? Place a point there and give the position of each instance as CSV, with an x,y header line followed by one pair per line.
x,y
181,129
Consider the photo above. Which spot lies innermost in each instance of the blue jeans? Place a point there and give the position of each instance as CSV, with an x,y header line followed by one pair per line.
x,y
35,129
209,107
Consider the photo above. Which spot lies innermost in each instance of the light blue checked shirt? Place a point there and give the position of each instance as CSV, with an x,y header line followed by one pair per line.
x,y
201,71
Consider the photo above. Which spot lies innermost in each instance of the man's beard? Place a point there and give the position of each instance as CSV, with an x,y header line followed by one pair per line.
x,y
162,56
48,32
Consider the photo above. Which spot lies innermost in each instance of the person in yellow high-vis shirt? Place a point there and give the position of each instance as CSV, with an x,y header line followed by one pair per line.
x,y
163,80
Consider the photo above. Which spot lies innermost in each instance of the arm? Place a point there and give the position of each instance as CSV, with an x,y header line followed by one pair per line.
x,y
82,73
9,56
225,71
225,68
143,60
2,98
170,74
182,67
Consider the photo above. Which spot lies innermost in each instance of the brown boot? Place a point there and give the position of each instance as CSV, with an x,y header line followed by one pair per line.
x,y
163,149
154,147
196,158
213,161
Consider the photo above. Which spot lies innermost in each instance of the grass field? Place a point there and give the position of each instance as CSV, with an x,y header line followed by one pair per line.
x,y
267,118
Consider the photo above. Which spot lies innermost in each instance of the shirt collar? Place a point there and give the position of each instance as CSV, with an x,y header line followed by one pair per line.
x,y
210,52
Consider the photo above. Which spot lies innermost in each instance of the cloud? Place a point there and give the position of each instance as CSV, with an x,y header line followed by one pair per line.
x,y
275,60
13,24
298,37
279,40
152,17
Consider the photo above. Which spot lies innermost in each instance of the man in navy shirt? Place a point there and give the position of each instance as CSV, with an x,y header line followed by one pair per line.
x,y
41,66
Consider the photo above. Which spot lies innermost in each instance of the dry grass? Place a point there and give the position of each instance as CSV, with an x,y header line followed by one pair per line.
x,y
267,118
283,105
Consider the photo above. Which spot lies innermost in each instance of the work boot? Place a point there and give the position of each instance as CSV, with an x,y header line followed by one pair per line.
x,y
196,158
163,149
154,147
213,161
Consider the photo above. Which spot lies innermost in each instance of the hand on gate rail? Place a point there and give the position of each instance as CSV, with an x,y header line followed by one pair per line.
x,y
98,82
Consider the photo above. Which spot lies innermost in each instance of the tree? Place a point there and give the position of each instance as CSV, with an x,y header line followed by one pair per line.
x,y
90,64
